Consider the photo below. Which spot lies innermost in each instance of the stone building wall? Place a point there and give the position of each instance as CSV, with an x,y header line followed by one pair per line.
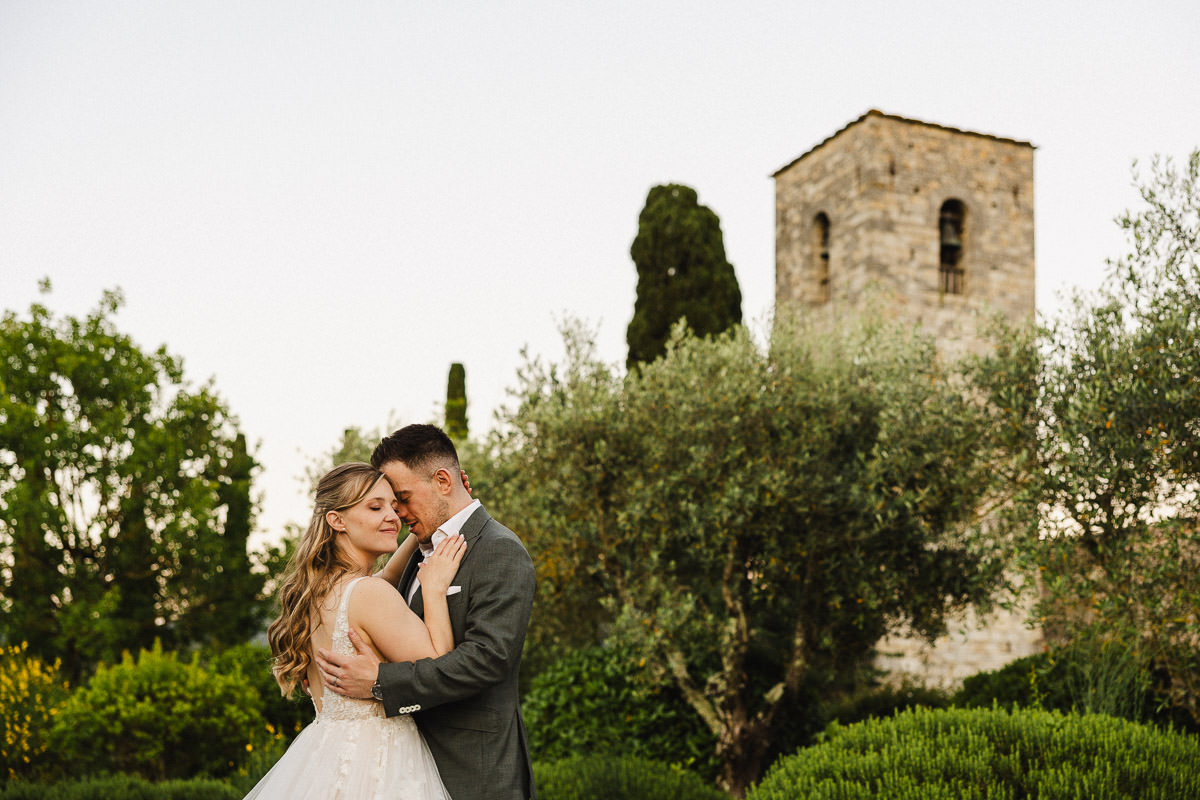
x,y
880,182
972,644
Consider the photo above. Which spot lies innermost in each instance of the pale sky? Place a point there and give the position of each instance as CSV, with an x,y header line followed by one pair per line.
x,y
321,205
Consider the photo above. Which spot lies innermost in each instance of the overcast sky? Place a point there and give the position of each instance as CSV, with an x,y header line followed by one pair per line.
x,y
321,205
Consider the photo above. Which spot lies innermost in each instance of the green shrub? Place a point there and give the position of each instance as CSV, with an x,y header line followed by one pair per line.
x,y
882,702
1024,682
590,777
283,715
159,718
593,701
122,787
30,692
990,754
1084,676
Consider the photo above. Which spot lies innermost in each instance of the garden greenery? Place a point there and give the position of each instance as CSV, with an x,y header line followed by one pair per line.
x,y
30,693
969,754
750,519
157,717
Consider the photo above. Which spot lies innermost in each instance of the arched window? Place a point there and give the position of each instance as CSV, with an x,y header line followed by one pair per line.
x,y
950,235
820,241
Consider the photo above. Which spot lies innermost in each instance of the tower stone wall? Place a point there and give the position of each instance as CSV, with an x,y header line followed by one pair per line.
x,y
859,225
881,183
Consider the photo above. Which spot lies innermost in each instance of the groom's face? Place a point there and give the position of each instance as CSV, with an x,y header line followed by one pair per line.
x,y
421,506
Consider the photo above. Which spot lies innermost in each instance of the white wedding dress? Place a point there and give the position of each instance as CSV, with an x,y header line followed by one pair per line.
x,y
351,751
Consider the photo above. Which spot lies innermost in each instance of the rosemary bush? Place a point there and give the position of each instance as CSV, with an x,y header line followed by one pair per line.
x,y
990,754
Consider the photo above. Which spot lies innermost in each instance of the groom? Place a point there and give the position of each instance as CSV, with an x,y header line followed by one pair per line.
x,y
464,702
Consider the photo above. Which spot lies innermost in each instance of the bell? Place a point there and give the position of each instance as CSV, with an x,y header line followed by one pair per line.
x,y
951,236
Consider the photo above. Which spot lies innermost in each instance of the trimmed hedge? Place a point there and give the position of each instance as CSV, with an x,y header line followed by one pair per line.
x,y
591,777
121,787
990,755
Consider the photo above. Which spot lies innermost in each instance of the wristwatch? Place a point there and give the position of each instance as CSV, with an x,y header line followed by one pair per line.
x,y
377,691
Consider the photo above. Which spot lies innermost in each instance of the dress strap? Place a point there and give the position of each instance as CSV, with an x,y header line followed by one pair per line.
x,y
344,605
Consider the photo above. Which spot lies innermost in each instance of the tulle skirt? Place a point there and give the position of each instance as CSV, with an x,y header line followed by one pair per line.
x,y
354,759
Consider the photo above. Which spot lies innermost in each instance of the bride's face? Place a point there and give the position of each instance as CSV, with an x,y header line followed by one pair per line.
x,y
370,526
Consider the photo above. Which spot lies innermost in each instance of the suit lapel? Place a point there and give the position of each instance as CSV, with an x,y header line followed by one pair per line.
x,y
410,572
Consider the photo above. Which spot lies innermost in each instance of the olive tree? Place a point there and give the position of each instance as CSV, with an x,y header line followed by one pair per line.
x,y
753,518
1119,431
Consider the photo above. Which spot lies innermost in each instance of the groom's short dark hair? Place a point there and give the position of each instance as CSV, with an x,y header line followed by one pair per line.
x,y
418,447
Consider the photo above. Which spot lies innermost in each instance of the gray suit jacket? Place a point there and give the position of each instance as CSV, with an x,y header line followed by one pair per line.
x,y
466,702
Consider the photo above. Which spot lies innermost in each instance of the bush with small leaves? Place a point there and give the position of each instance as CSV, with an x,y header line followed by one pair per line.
x,y
883,701
593,701
283,715
588,777
30,693
158,717
1083,676
994,754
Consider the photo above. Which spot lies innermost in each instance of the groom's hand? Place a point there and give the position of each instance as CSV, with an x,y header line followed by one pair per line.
x,y
349,676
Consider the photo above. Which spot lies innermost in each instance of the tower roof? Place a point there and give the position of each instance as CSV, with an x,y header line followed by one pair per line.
x,y
877,113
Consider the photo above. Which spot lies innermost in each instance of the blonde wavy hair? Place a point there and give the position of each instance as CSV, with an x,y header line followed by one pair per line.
x,y
312,571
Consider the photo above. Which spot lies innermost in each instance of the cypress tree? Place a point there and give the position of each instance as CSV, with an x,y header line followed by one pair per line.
x,y
679,253
456,404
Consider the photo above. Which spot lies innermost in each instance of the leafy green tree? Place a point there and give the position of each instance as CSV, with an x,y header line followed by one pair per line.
x,y
1120,445
124,495
753,520
456,404
682,271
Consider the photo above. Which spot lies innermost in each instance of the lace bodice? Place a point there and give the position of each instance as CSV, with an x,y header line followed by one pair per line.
x,y
335,706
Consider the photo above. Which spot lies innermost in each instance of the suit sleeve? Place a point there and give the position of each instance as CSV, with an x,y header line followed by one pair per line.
x,y
499,605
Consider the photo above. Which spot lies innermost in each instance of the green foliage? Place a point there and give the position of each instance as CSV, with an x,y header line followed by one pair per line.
x,y
456,404
1029,682
597,701
251,663
883,701
682,271
977,753
124,495
30,694
157,717
1119,454
1091,674
752,520
589,777
122,787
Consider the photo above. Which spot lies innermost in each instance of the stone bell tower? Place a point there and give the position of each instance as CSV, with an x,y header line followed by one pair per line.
x,y
928,223
931,223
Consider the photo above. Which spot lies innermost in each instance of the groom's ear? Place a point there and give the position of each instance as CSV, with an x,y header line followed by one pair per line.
x,y
442,480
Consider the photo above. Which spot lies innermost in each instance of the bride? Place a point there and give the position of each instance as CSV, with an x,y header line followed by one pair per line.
x,y
351,750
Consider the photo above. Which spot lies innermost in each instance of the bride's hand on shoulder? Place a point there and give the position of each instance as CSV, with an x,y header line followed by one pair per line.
x,y
438,570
